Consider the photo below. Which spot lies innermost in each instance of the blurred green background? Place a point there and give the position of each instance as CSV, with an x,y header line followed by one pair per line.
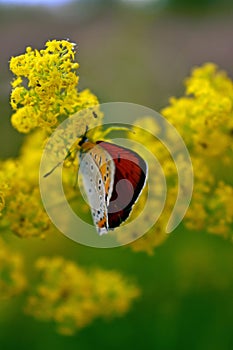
x,y
137,52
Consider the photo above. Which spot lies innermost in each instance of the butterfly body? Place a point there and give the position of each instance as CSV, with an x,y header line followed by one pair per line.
x,y
113,178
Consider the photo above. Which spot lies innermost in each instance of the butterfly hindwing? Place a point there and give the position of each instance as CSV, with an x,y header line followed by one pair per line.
x,y
129,180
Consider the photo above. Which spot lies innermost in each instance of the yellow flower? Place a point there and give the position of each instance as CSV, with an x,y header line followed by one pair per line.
x,y
205,121
12,279
44,93
23,120
8,171
73,297
22,210
206,115
45,87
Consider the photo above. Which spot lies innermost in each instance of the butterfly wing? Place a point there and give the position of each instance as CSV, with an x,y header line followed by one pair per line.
x,y
98,169
95,192
129,180
105,164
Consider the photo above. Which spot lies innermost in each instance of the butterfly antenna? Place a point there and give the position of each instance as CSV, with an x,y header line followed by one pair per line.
x,y
57,165
52,170
83,139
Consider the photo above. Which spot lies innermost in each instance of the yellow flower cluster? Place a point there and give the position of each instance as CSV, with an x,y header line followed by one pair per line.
x,y
8,170
45,86
12,278
67,294
204,119
22,209
73,297
49,95
44,93
157,232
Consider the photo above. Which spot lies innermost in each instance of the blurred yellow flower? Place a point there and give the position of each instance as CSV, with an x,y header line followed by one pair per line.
x,y
23,211
204,119
12,277
44,93
73,297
